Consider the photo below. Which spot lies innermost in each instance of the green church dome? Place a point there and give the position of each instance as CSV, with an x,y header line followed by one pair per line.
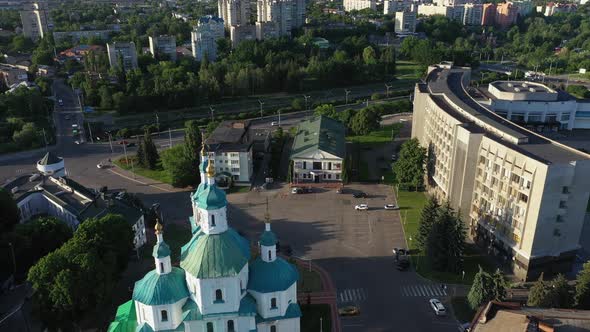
x,y
268,277
159,289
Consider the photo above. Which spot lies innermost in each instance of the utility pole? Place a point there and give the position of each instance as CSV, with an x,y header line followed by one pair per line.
x,y
110,142
158,123
125,151
306,98
212,111
261,103
347,92
132,168
90,132
170,136
279,117
387,86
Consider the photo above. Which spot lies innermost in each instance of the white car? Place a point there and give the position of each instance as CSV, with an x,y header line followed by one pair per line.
x,y
77,142
391,207
361,207
274,123
438,307
100,166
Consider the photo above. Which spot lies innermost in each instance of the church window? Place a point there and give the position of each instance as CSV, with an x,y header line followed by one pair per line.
x,y
164,314
161,267
212,220
218,295
269,255
230,326
273,328
273,303
209,327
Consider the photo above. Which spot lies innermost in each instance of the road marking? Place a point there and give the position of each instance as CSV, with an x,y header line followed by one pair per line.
x,y
134,180
423,290
352,295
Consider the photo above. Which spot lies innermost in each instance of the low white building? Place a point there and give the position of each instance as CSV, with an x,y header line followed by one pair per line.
x,y
318,150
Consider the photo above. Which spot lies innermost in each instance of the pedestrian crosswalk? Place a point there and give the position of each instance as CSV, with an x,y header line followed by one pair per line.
x,y
352,295
423,290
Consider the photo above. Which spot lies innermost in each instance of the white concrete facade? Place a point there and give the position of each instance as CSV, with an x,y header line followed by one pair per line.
x,y
35,20
359,5
405,22
125,51
321,167
163,45
234,12
238,163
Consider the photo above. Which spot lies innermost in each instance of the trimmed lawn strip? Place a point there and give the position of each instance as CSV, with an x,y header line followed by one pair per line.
x,y
380,136
157,174
309,281
311,317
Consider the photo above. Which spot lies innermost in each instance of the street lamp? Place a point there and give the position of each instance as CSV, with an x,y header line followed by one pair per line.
x,y
306,98
347,92
261,103
212,111
388,86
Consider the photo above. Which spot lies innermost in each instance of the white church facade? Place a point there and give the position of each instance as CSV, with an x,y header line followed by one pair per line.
x,y
218,286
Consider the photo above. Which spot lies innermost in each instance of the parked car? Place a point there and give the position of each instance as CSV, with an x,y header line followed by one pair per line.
x,y
60,102
393,157
77,142
296,190
100,166
68,117
124,142
391,207
121,195
400,252
438,307
307,190
349,311
465,327
129,145
403,265
359,194
361,207
274,123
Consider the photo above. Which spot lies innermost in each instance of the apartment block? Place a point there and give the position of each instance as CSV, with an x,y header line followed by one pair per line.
x,y
430,10
239,33
472,14
405,22
520,194
163,45
124,52
35,20
204,38
278,12
234,12
525,7
505,15
488,16
359,4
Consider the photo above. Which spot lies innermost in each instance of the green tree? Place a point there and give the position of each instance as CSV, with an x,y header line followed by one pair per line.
x,y
106,98
579,91
326,110
290,172
428,216
211,126
369,55
150,152
28,136
409,168
499,285
550,294
179,165
192,139
140,155
446,241
10,215
582,293
297,104
364,121
481,289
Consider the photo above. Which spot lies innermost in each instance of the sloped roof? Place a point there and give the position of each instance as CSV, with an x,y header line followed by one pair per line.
x,y
215,255
319,133
158,289
125,319
161,250
268,238
293,311
211,198
50,159
275,276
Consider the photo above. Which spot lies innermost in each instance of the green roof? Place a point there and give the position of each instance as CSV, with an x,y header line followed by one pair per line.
x,y
293,311
211,198
268,238
319,133
275,276
126,318
215,255
192,312
200,188
158,289
161,250
247,306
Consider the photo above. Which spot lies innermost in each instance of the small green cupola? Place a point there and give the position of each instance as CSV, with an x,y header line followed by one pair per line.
x,y
161,251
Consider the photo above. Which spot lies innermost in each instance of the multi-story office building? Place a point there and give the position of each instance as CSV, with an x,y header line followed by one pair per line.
x,y
234,12
472,14
488,16
163,45
204,38
124,52
405,22
505,14
359,4
521,194
35,19
278,12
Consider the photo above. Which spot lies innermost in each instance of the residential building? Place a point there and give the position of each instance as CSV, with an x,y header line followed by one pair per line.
x,y
457,12
520,194
218,285
553,8
525,7
204,38
509,316
78,52
239,33
124,52
265,30
393,6
430,10
298,10
35,20
405,22
232,145
488,16
359,4
472,14
278,12
505,15
163,45
536,106
12,74
319,148
234,12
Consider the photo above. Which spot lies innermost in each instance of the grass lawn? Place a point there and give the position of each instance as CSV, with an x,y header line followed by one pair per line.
x,y
411,204
311,317
237,189
380,136
175,236
407,69
462,310
158,174
308,281
363,171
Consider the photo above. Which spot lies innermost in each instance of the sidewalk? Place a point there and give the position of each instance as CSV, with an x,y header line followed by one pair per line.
x,y
141,180
327,296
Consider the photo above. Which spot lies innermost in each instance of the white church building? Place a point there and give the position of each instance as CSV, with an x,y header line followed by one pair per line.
x,y
218,286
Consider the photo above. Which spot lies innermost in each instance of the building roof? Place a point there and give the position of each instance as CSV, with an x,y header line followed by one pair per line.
x,y
125,319
319,133
268,239
49,159
211,198
161,250
275,276
506,316
158,289
293,311
215,255
448,85
192,312
207,18
230,136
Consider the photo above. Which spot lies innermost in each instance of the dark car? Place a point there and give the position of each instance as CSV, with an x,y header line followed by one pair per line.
x,y
403,265
307,190
359,195
129,145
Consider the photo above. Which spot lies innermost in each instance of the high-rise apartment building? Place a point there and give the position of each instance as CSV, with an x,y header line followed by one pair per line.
x,y
472,14
239,33
525,7
163,45
405,22
520,194
234,12
359,4
393,6
298,11
35,20
505,14
488,16
204,38
278,12
124,52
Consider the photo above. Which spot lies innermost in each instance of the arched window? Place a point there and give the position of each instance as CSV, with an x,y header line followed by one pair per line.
x,y
209,327
273,303
273,328
161,267
269,255
164,315
230,326
212,220
218,295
